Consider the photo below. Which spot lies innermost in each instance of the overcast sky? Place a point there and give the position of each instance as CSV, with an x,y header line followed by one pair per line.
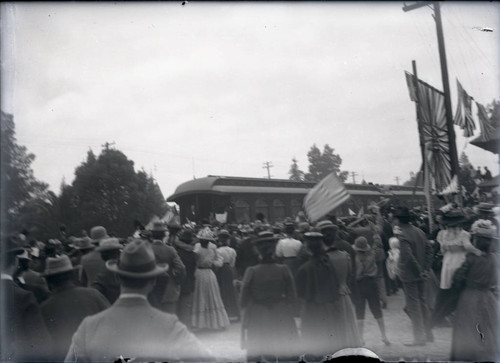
x,y
221,88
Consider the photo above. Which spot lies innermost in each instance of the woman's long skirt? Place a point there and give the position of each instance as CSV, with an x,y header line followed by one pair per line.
x,y
329,327
208,308
270,331
225,277
475,329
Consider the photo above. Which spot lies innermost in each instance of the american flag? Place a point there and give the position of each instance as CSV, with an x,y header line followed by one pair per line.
x,y
327,195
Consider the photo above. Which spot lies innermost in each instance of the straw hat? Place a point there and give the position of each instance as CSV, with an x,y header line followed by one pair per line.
x,y
206,234
313,235
484,228
137,260
109,244
58,265
82,244
326,225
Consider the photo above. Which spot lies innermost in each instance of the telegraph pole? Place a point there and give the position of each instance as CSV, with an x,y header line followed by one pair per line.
x,y
397,180
444,76
268,165
353,174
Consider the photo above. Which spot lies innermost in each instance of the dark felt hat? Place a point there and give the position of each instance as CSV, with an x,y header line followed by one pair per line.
x,y
403,212
361,244
186,235
137,260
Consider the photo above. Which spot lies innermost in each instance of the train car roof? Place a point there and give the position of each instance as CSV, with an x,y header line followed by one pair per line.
x,y
229,184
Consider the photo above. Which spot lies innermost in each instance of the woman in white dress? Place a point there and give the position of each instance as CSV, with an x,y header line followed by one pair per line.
x,y
454,243
208,308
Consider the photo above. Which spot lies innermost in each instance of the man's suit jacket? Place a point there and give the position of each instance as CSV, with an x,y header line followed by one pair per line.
x,y
132,328
65,310
23,334
415,253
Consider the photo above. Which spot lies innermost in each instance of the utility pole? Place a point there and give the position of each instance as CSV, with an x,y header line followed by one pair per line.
x,y
444,76
106,145
353,174
268,165
397,180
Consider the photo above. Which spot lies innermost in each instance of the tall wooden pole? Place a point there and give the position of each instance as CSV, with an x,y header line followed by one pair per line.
x,y
446,90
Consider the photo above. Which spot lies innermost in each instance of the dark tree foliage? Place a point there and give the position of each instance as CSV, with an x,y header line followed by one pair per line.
x,y
108,191
18,183
295,173
323,163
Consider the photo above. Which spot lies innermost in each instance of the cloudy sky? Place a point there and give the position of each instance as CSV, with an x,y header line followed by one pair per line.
x,y
221,88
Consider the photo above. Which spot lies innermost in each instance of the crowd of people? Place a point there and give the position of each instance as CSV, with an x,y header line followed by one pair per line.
x,y
295,287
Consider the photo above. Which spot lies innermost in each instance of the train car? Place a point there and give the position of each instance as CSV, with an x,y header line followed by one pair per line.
x,y
243,200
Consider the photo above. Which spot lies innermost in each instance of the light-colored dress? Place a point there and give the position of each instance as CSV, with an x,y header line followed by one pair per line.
x,y
454,247
208,308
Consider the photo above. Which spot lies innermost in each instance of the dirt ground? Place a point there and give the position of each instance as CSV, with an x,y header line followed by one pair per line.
x,y
225,345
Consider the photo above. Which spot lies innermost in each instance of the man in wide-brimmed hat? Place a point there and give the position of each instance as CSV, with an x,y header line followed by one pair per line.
x,y
23,332
92,263
31,280
166,292
106,282
132,328
414,265
68,305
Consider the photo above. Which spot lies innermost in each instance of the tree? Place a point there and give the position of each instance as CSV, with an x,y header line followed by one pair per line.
x,y
108,191
413,179
322,164
18,183
295,173
463,161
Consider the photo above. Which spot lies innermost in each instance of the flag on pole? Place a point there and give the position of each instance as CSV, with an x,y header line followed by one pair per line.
x,y
351,212
432,117
327,195
463,114
487,128
411,86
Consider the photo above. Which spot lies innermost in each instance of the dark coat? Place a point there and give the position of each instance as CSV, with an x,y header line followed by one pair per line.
x,y
23,332
416,253
35,283
108,284
188,258
65,310
162,293
92,264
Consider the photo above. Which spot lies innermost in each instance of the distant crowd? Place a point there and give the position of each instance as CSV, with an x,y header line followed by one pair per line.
x,y
295,287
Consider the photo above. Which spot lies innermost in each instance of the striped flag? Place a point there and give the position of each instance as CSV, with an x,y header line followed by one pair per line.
x,y
327,195
487,128
463,114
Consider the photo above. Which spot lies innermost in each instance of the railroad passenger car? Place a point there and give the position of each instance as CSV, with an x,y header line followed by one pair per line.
x,y
243,200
